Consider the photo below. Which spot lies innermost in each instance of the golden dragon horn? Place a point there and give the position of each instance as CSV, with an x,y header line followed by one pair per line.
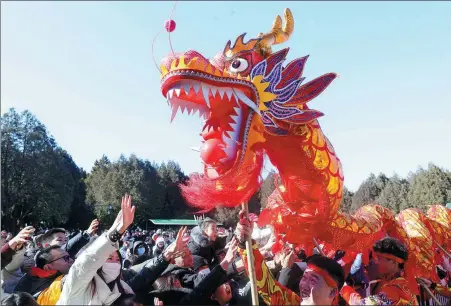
x,y
277,35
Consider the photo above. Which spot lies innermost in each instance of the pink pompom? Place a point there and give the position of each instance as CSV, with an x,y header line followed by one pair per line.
x,y
170,25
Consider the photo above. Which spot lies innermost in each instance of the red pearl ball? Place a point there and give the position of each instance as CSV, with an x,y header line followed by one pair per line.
x,y
170,25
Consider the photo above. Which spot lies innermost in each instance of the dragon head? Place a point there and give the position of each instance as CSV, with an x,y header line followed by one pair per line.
x,y
244,93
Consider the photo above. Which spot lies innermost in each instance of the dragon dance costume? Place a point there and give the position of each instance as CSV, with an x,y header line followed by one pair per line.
x,y
255,105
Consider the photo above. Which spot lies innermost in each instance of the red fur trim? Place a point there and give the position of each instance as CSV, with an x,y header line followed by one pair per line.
x,y
230,190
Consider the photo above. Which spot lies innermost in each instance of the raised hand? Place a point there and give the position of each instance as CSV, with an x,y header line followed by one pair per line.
x,y
93,227
125,216
157,302
176,248
243,228
288,259
424,281
230,255
21,238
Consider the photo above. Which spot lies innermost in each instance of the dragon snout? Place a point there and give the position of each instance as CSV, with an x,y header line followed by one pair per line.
x,y
174,59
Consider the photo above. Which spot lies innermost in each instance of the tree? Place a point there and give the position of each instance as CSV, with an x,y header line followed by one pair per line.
x,y
431,186
154,188
267,188
369,190
39,178
227,216
346,202
170,176
81,214
394,195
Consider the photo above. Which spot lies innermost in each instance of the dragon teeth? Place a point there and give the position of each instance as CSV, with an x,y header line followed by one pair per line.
x,y
243,98
205,93
221,92
229,93
196,87
186,87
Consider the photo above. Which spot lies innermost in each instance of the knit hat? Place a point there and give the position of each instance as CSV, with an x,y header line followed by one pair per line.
x,y
159,239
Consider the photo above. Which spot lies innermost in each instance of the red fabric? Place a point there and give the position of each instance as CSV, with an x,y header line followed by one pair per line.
x,y
346,292
42,273
229,190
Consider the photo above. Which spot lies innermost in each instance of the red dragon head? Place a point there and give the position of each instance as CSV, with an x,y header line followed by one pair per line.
x,y
244,93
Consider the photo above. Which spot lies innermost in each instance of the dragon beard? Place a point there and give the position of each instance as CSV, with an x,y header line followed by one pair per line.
x,y
229,190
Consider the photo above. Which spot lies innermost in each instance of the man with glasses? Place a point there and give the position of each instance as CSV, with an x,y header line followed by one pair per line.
x,y
52,263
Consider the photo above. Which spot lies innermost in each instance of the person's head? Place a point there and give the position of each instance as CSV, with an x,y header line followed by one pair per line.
x,y
209,228
139,248
55,236
186,260
223,294
111,269
160,243
321,281
387,258
20,299
54,258
167,282
302,256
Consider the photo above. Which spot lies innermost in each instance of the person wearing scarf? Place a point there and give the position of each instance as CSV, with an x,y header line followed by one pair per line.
x,y
385,268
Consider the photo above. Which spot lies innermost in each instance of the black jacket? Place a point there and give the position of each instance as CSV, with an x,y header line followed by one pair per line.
x,y
187,277
200,295
35,281
201,245
152,270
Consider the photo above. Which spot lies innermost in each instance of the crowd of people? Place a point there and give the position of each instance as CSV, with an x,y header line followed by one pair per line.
x,y
206,265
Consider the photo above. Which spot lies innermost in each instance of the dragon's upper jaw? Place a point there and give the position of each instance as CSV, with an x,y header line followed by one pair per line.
x,y
226,103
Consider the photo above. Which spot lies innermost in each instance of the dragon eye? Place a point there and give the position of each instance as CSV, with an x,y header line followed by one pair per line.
x,y
238,65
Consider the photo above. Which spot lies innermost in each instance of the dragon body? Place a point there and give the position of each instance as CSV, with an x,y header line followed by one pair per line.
x,y
255,104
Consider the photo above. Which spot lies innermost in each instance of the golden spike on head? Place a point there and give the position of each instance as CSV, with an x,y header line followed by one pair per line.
x,y
239,46
277,35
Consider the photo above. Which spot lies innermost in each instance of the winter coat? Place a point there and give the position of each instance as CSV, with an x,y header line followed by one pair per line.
x,y
186,276
36,280
148,274
78,284
11,274
7,255
200,295
201,245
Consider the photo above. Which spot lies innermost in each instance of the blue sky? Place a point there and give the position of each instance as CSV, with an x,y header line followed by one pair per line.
x,y
85,70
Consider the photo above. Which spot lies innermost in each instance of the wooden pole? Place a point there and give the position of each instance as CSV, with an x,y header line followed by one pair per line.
x,y
430,293
250,262
318,247
444,251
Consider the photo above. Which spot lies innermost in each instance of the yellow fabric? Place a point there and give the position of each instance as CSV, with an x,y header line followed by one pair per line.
x,y
52,294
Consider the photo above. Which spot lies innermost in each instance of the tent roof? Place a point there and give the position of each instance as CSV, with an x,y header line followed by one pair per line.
x,y
191,222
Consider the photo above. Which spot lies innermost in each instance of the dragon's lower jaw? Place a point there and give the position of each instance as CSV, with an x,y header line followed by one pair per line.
x,y
228,112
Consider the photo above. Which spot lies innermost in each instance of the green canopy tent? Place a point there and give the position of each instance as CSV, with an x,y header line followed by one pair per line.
x,y
172,222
